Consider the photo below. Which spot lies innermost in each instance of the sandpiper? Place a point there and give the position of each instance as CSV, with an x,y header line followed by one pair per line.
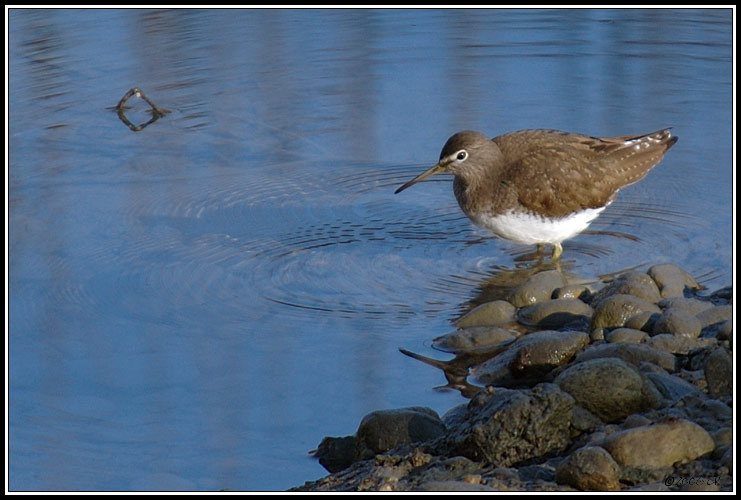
x,y
543,186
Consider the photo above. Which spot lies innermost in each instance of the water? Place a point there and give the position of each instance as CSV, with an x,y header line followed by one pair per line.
x,y
195,305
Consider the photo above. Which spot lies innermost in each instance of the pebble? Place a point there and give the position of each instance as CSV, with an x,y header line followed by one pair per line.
x,y
634,354
679,344
678,322
475,336
554,313
571,292
643,321
633,283
672,280
719,373
609,388
626,335
537,288
714,315
659,445
382,430
497,312
692,306
590,469
672,387
614,311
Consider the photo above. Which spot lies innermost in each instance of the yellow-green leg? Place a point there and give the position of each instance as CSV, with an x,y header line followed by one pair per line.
x,y
557,251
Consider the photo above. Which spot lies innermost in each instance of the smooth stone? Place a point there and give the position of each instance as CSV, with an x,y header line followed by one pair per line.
x,y
679,344
571,292
719,373
382,430
505,426
635,354
659,445
634,283
497,312
531,355
537,288
597,334
626,335
678,322
643,321
672,387
615,310
554,313
590,469
714,315
610,388
672,280
692,306
336,453
722,296
475,336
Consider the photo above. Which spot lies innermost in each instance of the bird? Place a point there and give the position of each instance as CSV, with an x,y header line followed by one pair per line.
x,y
542,186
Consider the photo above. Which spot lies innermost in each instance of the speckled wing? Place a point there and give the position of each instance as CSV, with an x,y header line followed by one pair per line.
x,y
558,173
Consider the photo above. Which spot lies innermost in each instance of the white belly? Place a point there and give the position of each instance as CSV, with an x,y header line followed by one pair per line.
x,y
531,229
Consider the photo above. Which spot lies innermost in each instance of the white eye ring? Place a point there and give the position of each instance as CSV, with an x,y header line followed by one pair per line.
x,y
461,155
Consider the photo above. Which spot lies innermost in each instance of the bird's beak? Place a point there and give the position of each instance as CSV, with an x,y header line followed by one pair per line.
x,y
434,170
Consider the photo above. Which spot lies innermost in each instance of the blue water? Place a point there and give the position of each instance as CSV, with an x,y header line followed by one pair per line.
x,y
195,305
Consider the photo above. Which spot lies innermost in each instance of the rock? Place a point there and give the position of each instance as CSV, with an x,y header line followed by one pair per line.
x,y
672,280
635,354
633,283
590,469
679,344
678,322
571,292
714,315
642,321
719,373
382,430
554,313
672,387
609,388
660,445
691,306
493,313
615,310
453,486
475,336
505,426
531,355
537,288
626,335
336,453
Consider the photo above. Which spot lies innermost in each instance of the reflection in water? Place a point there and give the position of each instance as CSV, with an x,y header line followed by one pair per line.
x,y
195,305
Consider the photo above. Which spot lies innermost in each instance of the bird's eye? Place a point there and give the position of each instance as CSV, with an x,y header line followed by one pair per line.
x,y
461,155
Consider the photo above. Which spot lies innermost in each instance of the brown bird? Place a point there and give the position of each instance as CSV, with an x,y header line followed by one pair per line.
x,y
543,186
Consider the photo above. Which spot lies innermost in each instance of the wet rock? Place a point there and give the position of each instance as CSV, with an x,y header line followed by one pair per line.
x,y
672,280
505,426
660,445
719,373
382,430
714,315
635,354
336,453
722,296
634,283
615,310
642,321
672,387
610,388
678,322
678,344
590,469
475,336
626,335
497,312
571,292
530,356
554,313
691,306
537,288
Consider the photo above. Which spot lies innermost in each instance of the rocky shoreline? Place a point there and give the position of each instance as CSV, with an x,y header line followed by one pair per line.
x,y
621,386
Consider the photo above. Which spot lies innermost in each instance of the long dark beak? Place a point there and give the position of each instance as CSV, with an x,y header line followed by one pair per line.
x,y
434,170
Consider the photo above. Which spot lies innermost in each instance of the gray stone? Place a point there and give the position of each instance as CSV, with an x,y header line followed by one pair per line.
x,y
336,453
678,322
660,445
672,387
691,306
627,335
571,292
643,321
610,388
505,427
679,344
634,354
615,310
719,373
475,336
497,312
634,283
714,315
672,280
537,288
382,430
590,469
554,313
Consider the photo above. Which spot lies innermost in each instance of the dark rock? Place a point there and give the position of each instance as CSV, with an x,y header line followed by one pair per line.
x,y
714,315
672,280
643,321
554,313
626,335
475,336
537,288
678,322
615,310
633,283
382,430
719,373
610,388
634,354
672,387
505,426
679,344
497,312
691,306
336,453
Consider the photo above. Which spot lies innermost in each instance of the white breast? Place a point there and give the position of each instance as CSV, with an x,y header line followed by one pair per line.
x,y
523,227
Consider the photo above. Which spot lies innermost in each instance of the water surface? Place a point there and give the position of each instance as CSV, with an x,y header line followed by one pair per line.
x,y
195,305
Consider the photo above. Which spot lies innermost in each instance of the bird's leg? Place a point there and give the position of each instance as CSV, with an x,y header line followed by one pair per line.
x,y
557,251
